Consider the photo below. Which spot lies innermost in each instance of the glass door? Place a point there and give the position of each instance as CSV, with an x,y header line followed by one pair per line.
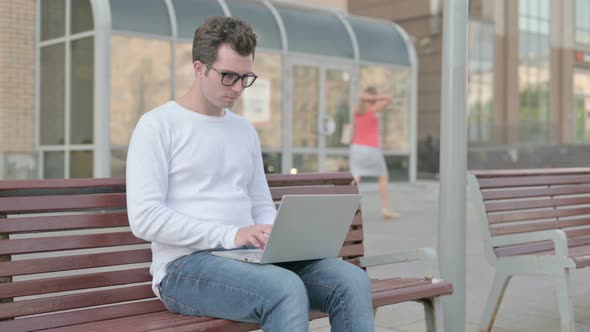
x,y
320,107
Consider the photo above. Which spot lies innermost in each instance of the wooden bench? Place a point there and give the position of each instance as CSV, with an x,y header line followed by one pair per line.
x,y
69,262
534,222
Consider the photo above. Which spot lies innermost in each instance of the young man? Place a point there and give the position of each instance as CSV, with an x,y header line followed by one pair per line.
x,y
196,183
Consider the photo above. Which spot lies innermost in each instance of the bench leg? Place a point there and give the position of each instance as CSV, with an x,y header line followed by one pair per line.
x,y
501,280
433,312
564,300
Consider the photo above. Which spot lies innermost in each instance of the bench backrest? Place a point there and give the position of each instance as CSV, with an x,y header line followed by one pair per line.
x,y
69,241
521,201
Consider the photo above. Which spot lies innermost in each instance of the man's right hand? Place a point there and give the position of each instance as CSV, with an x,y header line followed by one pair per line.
x,y
255,235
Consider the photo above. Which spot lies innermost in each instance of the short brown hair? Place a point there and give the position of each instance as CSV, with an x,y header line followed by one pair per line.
x,y
217,30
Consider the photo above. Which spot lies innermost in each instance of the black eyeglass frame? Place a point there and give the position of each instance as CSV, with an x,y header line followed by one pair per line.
x,y
224,74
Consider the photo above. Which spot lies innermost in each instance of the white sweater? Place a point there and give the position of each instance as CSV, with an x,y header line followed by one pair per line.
x,y
192,181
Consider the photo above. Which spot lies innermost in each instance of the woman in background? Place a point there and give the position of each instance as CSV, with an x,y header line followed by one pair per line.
x,y
366,155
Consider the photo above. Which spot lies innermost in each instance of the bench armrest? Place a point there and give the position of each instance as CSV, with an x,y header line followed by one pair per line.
x,y
556,235
427,256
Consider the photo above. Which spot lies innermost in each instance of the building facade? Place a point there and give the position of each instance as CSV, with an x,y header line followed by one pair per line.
x,y
529,83
80,73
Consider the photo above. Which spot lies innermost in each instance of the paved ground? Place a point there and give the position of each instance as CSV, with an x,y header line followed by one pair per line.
x,y
529,304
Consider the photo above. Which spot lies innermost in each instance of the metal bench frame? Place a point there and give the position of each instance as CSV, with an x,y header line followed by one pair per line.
x,y
533,222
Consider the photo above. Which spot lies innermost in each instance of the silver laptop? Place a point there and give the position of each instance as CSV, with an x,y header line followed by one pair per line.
x,y
306,227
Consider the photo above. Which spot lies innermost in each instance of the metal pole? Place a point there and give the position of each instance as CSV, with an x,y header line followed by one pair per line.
x,y
453,161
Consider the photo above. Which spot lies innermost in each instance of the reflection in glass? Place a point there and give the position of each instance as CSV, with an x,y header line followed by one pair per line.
x,y
192,13
582,22
261,104
582,106
140,81
81,96
53,19
305,106
333,163
533,71
52,86
53,164
81,16
395,120
480,91
81,164
118,162
272,162
398,167
305,163
337,104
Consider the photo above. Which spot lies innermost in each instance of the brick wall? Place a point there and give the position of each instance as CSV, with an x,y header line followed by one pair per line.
x,y
17,81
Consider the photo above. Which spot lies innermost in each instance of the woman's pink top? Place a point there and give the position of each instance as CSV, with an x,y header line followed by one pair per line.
x,y
366,129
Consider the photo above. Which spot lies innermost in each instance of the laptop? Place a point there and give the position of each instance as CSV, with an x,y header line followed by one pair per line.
x,y
306,227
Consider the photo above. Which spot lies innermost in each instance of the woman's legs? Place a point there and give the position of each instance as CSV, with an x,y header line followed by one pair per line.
x,y
384,193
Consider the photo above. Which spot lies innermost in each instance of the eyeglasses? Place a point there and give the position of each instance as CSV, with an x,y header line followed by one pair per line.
x,y
229,78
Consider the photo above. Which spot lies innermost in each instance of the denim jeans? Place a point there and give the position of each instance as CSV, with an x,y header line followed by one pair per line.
x,y
278,296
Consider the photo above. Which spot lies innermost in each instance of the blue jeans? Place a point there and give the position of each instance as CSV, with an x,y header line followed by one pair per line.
x,y
278,296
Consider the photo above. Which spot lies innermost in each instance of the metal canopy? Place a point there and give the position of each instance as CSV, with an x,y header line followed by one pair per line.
x,y
285,26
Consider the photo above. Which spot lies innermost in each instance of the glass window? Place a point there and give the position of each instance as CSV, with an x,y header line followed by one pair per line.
x,y
261,103
192,13
395,120
261,19
81,18
582,22
53,19
143,16
81,164
379,42
582,106
118,162
533,71
305,106
185,74
53,164
480,91
329,35
140,81
82,91
337,103
52,95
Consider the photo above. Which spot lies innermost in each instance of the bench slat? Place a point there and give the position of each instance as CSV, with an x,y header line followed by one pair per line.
x,y
536,215
537,203
62,223
69,242
278,193
523,181
68,283
84,316
65,302
36,204
537,247
61,183
400,290
503,229
535,192
352,250
306,179
74,262
354,235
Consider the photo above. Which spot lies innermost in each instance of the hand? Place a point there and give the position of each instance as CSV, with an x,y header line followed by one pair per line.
x,y
255,235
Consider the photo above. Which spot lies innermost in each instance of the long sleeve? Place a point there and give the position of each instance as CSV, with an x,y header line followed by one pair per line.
x,y
148,167
263,209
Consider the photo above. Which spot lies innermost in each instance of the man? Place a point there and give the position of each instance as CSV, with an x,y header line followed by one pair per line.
x,y
195,183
